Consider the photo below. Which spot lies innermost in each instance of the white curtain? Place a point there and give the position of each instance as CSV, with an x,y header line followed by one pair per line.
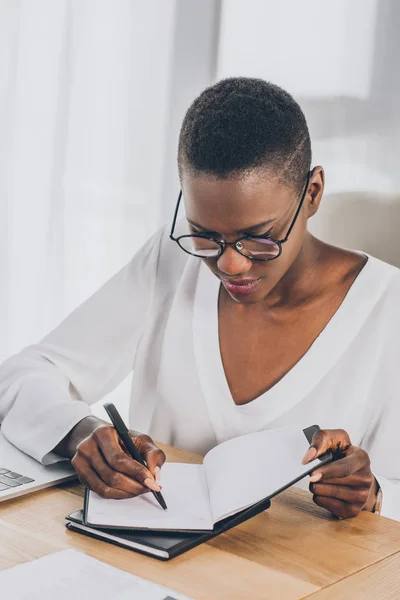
x,y
82,114
340,61
92,93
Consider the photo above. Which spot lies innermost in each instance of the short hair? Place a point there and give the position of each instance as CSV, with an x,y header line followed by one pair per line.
x,y
241,124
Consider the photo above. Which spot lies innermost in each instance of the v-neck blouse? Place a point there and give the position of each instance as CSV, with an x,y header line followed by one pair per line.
x,y
298,384
158,317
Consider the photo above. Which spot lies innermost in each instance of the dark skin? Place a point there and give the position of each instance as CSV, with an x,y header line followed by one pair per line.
x,y
295,297
102,463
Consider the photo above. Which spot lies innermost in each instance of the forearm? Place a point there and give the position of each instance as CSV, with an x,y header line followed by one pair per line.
x,y
39,412
68,445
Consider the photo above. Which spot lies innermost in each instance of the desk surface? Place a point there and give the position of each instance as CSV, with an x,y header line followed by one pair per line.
x,y
294,550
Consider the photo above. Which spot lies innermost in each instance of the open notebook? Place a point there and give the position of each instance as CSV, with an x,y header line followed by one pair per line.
x,y
235,475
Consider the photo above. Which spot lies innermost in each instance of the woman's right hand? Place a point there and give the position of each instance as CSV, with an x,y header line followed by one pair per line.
x,y
104,466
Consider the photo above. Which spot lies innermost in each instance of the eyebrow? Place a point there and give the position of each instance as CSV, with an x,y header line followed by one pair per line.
x,y
251,228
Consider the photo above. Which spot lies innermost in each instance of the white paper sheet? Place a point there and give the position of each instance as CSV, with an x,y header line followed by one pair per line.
x,y
184,489
254,467
72,574
235,475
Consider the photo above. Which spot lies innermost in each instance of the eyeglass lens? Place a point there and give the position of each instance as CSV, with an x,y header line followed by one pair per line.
x,y
260,248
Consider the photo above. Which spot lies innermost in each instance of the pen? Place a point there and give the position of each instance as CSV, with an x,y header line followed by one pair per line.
x,y
123,434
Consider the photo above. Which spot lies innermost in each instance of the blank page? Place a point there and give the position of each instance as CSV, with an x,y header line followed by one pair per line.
x,y
72,574
184,489
247,469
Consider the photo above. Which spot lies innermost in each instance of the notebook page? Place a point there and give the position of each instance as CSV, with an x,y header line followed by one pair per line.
x,y
72,574
247,469
184,489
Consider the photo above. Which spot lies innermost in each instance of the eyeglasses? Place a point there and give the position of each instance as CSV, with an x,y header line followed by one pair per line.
x,y
254,247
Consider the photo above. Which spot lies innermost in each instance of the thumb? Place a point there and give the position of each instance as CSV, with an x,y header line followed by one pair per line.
x,y
152,454
335,440
155,460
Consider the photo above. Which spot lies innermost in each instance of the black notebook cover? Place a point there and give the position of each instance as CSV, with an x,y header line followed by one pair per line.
x,y
161,544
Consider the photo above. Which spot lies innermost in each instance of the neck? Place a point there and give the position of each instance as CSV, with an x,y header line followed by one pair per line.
x,y
303,279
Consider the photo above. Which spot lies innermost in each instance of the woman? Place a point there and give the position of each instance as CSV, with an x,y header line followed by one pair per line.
x,y
235,320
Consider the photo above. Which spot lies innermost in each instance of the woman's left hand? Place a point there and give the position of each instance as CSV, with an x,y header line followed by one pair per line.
x,y
345,486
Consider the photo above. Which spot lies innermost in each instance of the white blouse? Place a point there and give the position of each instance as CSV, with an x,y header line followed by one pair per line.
x,y
158,318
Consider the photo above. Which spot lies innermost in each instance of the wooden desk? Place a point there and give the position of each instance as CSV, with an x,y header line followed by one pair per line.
x,y
294,550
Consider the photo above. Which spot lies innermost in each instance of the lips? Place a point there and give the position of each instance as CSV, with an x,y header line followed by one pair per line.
x,y
240,287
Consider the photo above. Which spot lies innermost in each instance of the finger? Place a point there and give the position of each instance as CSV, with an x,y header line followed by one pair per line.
x,y
350,495
362,478
114,479
335,440
337,507
345,467
154,456
91,480
108,442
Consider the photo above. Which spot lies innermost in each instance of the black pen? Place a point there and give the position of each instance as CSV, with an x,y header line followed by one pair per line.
x,y
123,434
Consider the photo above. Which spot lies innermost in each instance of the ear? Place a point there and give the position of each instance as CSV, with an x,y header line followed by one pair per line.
x,y
315,190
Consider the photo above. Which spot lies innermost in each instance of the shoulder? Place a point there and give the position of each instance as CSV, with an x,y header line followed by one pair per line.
x,y
168,261
159,256
386,278
382,270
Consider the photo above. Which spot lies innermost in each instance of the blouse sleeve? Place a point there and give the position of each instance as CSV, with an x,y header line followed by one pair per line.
x,y
382,440
383,447
47,388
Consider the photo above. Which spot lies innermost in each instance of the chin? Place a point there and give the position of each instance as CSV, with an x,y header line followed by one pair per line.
x,y
254,298
246,300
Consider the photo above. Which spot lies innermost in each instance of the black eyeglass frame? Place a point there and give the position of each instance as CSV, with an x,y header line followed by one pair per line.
x,y
223,244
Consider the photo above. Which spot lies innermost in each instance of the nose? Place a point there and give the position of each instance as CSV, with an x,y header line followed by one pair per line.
x,y
232,263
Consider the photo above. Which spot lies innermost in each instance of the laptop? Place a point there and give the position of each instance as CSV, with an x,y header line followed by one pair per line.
x,y
20,474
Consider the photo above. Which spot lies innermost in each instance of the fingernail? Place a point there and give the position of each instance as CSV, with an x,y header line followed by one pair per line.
x,y
309,455
315,477
151,484
157,471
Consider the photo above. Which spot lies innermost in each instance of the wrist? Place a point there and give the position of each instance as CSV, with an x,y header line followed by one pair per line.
x,y
69,444
373,496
